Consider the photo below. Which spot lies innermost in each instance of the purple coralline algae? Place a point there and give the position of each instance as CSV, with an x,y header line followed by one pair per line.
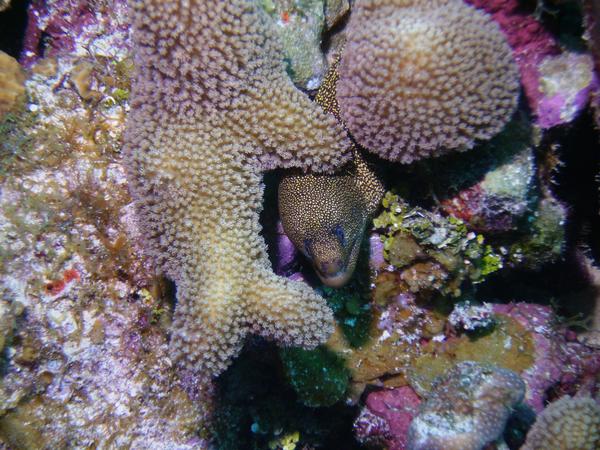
x,y
561,363
566,83
467,408
557,83
72,27
387,416
592,24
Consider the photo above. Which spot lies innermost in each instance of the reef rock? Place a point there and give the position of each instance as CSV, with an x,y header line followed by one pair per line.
x,y
467,408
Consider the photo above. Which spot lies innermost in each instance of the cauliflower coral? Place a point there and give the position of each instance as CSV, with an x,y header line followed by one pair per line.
x,y
422,78
212,107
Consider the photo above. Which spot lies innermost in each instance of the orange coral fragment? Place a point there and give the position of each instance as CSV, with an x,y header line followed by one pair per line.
x,y
55,287
70,275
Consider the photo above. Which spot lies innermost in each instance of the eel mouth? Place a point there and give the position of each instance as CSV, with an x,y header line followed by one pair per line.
x,y
343,270
337,280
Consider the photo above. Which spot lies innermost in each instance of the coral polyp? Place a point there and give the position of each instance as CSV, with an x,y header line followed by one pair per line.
x,y
421,78
171,172
212,107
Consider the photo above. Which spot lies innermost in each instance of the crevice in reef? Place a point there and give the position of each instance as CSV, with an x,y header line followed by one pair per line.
x,y
13,24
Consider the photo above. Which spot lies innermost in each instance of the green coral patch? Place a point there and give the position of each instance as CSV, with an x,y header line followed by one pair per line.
x,y
509,345
318,376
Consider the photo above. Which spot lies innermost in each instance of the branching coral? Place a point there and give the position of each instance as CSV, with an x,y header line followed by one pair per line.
x,y
570,423
418,79
212,107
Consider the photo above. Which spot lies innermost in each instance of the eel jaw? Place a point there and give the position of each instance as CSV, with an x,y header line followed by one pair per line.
x,y
335,281
343,272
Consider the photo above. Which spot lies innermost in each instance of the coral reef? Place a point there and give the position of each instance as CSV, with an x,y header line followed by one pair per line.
x,y
430,251
570,423
492,187
524,338
300,26
12,88
210,112
560,363
68,27
387,416
541,61
325,216
83,301
467,408
400,102
508,344
80,308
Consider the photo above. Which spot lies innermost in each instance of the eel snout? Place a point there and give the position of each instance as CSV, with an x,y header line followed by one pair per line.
x,y
333,256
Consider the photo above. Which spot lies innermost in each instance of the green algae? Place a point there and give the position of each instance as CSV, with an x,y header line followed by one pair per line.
x,y
256,408
319,376
351,308
507,345
413,235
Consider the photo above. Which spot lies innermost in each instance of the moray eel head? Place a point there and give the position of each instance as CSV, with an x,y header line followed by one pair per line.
x,y
334,252
325,216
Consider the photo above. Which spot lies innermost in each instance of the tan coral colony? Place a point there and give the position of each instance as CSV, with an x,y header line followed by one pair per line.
x,y
212,107
422,78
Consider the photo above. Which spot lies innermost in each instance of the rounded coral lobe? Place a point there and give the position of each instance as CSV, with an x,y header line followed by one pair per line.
x,y
418,79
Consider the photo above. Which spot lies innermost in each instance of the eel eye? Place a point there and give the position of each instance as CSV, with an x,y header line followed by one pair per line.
x,y
338,231
308,247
